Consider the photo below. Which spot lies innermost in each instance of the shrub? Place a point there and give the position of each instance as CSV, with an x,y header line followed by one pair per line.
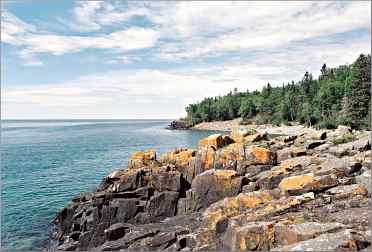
x,y
348,137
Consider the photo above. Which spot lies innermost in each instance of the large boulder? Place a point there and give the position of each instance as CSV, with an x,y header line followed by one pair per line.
x,y
304,183
166,181
252,236
259,156
213,185
271,179
162,205
229,157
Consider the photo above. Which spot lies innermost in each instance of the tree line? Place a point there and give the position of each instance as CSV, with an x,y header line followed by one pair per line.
x,y
340,95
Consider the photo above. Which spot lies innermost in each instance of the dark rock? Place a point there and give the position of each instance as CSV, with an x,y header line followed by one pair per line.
x,y
179,125
131,181
352,169
116,231
163,240
84,240
126,209
167,181
313,144
68,246
162,205
213,185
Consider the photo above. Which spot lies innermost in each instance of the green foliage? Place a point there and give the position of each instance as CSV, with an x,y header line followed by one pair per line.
x,y
340,95
348,137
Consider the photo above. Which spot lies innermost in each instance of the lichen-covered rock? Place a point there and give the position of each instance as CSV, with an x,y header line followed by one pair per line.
x,y
260,156
141,159
305,183
238,136
213,185
180,157
365,180
252,236
215,141
231,206
272,178
296,182
229,157
228,195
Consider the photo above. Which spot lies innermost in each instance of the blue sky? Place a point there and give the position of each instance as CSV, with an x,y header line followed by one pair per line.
x,y
116,59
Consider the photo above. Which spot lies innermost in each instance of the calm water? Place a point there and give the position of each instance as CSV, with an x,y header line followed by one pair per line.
x,y
46,163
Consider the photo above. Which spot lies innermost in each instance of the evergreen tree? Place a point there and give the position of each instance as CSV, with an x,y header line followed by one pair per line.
x,y
360,100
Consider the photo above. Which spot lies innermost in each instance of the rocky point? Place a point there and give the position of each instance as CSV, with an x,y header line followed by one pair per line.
x,y
244,191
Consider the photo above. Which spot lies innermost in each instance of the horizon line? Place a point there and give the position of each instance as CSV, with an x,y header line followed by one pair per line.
x,y
43,119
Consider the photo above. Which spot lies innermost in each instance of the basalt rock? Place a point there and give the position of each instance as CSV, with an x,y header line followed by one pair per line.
x,y
240,192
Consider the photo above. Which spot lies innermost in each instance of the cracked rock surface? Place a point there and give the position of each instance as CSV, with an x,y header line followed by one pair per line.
x,y
244,191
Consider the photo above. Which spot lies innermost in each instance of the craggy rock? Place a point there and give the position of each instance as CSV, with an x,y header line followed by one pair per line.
x,y
239,192
345,240
162,205
140,159
215,141
180,157
213,185
260,156
293,233
351,147
253,236
179,125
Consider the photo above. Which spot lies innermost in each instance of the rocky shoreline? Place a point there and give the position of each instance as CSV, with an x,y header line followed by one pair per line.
x,y
242,191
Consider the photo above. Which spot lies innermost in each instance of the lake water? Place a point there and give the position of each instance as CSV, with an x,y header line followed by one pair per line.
x,y
44,164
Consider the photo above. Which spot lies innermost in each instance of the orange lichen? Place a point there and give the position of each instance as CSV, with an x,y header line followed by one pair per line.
x,y
296,182
262,154
141,158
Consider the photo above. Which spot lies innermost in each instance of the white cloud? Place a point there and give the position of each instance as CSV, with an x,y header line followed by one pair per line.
x,y
194,29
240,26
123,40
18,33
11,26
85,14
91,16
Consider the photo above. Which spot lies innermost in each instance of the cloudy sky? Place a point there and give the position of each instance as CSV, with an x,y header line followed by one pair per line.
x,y
116,59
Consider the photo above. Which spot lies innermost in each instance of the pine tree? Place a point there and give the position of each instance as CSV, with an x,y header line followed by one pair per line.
x,y
360,100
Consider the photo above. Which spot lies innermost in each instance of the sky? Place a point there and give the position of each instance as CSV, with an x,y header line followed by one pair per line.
x,y
138,60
